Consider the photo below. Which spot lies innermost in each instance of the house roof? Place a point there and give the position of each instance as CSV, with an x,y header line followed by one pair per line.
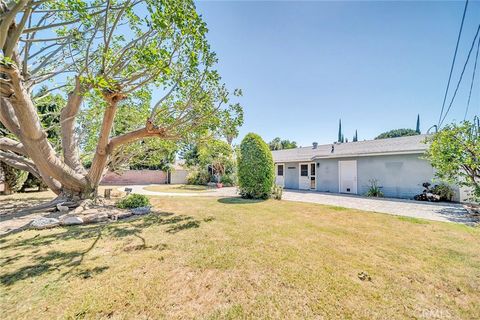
x,y
403,145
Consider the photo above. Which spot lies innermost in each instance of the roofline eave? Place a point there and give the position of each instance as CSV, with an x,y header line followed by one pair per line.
x,y
370,154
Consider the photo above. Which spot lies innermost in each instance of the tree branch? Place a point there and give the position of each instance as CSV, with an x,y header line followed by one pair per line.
x,y
149,130
8,117
7,144
8,19
100,158
19,162
17,32
67,123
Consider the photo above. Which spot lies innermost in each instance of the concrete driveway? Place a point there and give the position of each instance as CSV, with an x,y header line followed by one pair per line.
x,y
439,211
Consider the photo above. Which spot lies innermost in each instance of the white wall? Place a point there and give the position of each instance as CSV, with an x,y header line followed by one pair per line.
x,y
178,177
400,176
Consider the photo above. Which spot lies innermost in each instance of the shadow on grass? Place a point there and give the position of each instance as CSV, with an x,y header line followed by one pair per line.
x,y
10,207
237,200
52,260
55,260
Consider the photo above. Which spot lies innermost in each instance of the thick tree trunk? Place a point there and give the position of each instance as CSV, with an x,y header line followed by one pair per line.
x,y
6,189
34,139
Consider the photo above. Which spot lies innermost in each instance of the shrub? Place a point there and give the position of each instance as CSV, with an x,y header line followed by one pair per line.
x,y
227,180
13,179
374,190
277,192
198,176
33,182
255,168
133,201
443,190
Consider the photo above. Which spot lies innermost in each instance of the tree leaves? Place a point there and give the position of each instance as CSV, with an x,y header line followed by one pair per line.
x,y
455,154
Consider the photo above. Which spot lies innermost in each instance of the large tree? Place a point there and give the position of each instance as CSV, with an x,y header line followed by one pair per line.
x,y
279,144
106,55
455,154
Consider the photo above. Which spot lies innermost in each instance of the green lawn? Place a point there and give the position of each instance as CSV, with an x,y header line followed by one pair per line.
x,y
210,258
177,188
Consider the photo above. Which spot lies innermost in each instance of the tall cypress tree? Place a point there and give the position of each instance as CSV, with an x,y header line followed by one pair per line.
x,y
418,124
340,130
355,137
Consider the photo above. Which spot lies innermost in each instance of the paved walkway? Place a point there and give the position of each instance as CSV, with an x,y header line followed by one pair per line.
x,y
439,211
447,212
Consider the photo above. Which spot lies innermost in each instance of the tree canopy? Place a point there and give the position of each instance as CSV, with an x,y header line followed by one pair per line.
x,y
279,144
455,154
128,69
397,133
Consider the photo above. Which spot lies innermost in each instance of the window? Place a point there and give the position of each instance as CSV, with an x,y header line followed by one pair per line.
x,y
304,170
312,169
280,170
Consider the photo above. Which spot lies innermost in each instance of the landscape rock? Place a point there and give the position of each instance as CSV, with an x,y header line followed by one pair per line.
x,y
141,210
78,210
90,211
87,204
93,216
117,194
44,223
432,197
62,208
119,214
70,220
472,209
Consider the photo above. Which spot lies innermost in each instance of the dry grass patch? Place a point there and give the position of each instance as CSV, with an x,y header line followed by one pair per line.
x,y
213,258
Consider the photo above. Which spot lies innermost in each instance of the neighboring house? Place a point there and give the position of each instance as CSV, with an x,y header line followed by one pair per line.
x,y
396,164
177,175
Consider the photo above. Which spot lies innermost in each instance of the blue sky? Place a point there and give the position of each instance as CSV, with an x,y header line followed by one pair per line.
x,y
375,65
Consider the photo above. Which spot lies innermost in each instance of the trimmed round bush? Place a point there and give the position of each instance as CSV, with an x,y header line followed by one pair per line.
x,y
133,201
256,173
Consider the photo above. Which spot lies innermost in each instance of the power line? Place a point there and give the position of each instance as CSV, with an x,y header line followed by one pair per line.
x,y
473,80
453,62
461,76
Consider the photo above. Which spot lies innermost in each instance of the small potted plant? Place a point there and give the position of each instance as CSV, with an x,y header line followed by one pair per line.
x,y
219,183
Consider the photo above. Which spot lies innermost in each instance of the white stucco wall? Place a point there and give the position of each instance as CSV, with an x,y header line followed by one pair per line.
x,y
400,176
178,177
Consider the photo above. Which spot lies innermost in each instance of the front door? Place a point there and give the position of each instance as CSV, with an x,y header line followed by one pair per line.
x,y
279,174
347,176
307,176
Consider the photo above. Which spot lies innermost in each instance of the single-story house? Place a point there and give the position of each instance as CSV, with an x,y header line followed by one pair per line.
x,y
397,164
